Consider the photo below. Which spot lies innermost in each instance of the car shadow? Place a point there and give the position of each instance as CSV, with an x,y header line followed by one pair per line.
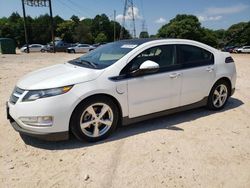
x,y
169,122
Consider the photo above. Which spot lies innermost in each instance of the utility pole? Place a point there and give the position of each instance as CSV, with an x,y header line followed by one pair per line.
x,y
52,26
25,28
114,25
38,3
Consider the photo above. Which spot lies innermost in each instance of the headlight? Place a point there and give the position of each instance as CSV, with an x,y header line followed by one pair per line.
x,y
37,94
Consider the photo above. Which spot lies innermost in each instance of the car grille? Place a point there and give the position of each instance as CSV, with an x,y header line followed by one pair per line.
x,y
16,95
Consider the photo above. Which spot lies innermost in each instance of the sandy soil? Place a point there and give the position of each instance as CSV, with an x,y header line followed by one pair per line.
x,y
197,148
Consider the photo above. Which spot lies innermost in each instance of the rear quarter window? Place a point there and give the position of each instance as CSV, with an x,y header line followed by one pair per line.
x,y
192,56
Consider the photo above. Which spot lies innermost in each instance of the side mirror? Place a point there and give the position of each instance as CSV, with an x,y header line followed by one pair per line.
x,y
146,67
149,66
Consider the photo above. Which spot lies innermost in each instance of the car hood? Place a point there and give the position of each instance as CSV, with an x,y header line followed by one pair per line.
x,y
57,76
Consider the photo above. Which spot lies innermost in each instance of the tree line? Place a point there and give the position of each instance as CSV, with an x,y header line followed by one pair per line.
x,y
188,27
101,29
96,30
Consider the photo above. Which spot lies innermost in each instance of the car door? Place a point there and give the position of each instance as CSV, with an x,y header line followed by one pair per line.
x,y
31,48
150,93
246,49
85,48
36,48
197,71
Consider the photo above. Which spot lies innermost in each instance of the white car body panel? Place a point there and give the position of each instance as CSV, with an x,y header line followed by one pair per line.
x,y
57,76
193,89
136,96
153,93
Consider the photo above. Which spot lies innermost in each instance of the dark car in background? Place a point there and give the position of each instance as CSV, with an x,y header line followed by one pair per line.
x,y
60,46
229,49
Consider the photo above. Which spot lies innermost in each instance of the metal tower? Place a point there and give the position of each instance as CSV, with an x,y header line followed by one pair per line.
x,y
128,11
144,26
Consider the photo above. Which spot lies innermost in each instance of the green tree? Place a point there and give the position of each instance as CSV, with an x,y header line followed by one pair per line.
x,y
238,34
187,27
40,29
75,19
65,30
182,26
220,35
82,33
208,37
144,34
101,37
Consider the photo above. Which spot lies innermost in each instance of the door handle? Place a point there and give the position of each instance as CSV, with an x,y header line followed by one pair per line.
x,y
174,75
209,69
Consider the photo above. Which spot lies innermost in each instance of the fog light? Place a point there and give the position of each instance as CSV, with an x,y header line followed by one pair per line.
x,y
38,121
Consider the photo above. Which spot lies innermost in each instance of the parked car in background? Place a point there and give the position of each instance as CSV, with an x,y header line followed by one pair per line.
x,y
33,48
80,48
120,83
235,49
60,46
244,49
99,44
229,49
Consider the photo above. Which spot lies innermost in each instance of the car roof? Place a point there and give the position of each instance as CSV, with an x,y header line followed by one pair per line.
x,y
140,42
137,41
146,40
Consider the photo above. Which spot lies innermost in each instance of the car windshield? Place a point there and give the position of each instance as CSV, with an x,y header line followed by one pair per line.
x,y
105,55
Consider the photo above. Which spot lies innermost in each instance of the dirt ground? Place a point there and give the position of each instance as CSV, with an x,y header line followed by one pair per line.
x,y
197,148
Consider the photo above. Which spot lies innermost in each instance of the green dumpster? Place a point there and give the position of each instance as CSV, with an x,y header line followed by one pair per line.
x,y
7,46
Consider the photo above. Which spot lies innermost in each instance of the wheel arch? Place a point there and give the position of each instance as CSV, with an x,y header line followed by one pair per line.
x,y
116,102
226,79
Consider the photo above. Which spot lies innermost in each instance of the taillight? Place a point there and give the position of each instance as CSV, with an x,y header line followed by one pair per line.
x,y
229,60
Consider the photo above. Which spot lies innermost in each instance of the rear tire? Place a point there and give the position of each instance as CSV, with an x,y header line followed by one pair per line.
x,y
219,95
94,119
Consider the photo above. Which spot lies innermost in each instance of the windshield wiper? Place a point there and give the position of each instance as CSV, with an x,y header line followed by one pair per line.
x,y
81,61
88,63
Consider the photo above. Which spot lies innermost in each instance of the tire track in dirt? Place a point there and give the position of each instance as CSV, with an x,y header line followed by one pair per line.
x,y
115,161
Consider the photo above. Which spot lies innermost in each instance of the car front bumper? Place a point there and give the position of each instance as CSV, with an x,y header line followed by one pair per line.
x,y
59,108
56,136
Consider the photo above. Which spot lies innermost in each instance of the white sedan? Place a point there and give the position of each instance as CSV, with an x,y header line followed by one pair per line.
x,y
80,48
244,49
33,48
120,83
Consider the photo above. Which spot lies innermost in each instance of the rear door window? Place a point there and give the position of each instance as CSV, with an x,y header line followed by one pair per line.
x,y
192,56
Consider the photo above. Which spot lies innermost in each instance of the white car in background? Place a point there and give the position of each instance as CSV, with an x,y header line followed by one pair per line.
x,y
244,49
33,48
120,83
80,48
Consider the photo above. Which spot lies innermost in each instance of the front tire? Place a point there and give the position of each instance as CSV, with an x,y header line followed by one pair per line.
x,y
219,95
94,119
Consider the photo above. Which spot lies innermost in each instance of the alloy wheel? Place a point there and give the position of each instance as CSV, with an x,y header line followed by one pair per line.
x,y
220,95
96,120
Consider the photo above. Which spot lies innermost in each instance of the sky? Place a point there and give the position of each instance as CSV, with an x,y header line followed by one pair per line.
x,y
213,14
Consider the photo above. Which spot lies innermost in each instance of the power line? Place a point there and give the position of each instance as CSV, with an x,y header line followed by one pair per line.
x,y
72,9
80,5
